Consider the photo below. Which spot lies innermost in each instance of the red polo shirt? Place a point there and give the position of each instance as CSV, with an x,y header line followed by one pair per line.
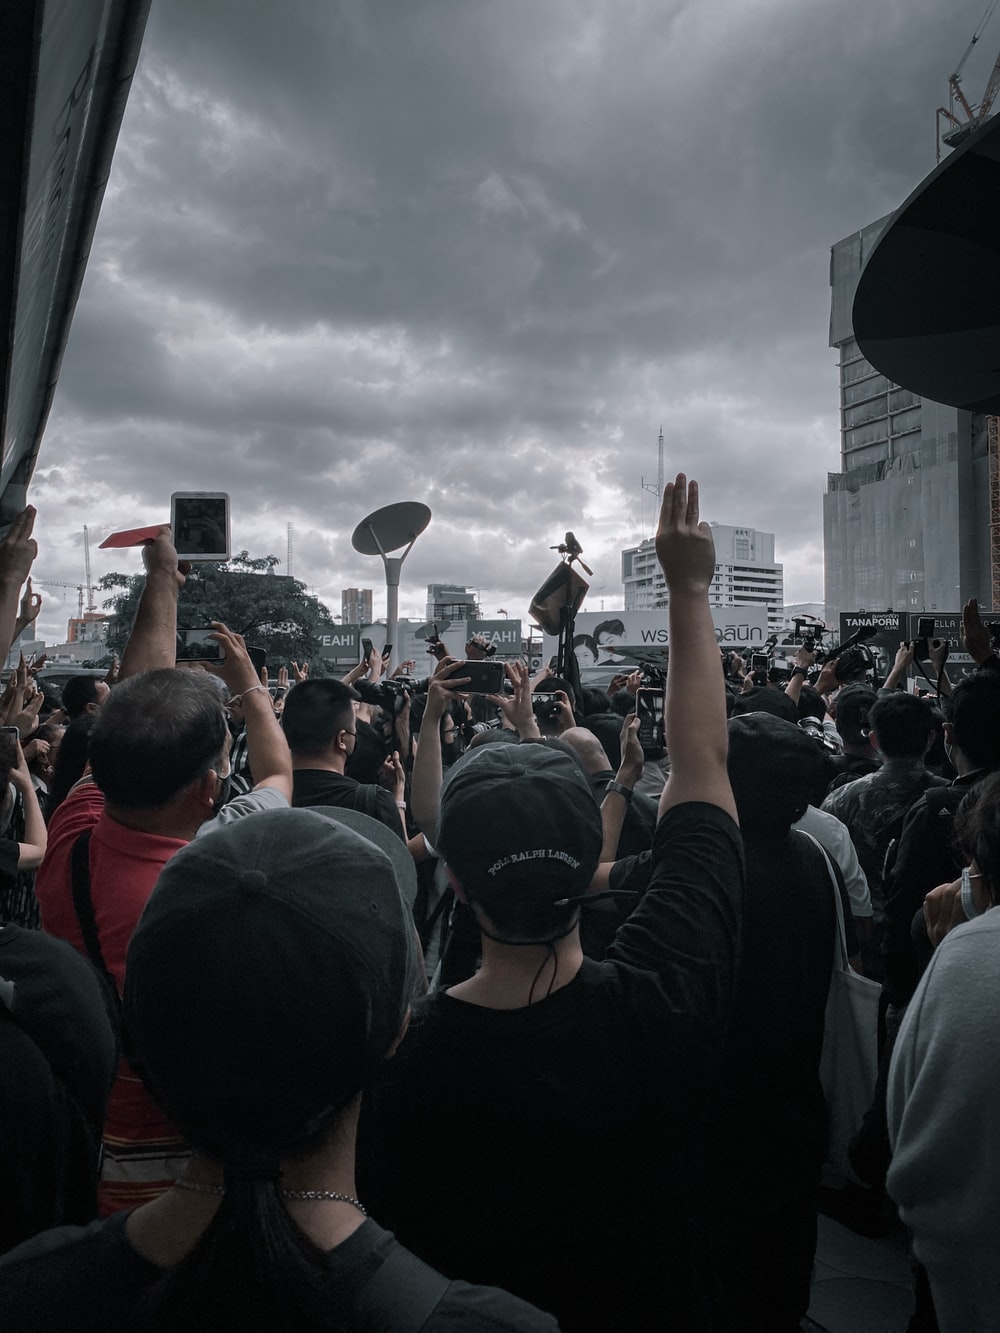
x,y
142,1151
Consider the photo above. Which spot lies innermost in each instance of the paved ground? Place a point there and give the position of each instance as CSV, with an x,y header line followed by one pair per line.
x,y
859,1285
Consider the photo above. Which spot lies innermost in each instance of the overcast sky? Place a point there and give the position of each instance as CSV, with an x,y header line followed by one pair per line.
x,y
475,253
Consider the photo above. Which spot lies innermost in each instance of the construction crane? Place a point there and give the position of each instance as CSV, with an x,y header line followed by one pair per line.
x,y
948,116
56,583
647,486
91,589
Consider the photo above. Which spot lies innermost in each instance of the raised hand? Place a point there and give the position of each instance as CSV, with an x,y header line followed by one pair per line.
x,y
31,604
236,668
975,635
160,557
18,548
684,545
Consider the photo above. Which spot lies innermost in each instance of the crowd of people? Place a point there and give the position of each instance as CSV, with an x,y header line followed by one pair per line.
x,y
373,1003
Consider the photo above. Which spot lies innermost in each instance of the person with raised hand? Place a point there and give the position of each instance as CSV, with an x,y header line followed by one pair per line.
x,y
595,1078
159,772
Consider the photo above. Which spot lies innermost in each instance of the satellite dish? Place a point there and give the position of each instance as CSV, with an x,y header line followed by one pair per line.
x,y
386,530
390,527
427,631
927,307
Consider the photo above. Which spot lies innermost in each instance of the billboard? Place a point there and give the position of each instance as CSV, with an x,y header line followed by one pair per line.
x,y
609,642
891,627
895,628
342,645
505,634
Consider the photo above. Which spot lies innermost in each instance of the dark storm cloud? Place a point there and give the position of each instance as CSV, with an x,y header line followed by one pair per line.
x,y
476,254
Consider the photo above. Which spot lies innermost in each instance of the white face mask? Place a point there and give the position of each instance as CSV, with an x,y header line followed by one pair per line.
x,y
969,905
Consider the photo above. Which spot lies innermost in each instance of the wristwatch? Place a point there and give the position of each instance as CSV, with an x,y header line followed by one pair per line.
x,y
799,671
620,788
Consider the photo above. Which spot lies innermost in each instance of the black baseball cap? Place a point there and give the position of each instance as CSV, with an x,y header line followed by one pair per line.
x,y
267,979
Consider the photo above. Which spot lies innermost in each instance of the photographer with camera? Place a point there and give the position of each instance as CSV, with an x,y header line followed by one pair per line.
x,y
554,704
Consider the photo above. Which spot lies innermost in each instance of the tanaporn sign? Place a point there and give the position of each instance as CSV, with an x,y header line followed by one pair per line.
x,y
891,631
896,627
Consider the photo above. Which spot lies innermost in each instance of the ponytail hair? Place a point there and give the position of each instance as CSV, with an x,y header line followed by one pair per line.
x,y
252,1266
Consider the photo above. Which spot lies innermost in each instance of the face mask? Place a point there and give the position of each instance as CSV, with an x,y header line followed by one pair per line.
x,y
968,902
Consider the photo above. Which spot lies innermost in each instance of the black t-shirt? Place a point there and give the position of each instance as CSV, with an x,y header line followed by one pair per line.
x,y
90,1280
318,786
776,1116
557,1150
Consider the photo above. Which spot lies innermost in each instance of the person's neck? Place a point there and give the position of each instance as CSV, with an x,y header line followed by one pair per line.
x,y
512,976
898,761
166,1229
328,762
169,821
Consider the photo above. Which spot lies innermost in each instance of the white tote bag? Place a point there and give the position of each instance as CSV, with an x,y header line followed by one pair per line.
x,y
849,1062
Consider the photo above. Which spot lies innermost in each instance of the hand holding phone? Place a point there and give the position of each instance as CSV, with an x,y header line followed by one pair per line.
x,y
200,524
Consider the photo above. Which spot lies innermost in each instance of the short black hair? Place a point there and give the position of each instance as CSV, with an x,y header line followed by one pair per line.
x,y
973,709
77,693
854,706
315,711
902,725
157,733
608,627
592,700
811,703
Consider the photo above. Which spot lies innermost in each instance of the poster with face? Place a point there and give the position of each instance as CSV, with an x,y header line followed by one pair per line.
x,y
606,643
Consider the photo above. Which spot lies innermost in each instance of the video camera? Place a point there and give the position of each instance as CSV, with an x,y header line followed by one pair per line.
x,y
390,695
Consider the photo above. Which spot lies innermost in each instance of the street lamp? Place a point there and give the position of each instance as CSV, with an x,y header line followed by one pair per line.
x,y
386,530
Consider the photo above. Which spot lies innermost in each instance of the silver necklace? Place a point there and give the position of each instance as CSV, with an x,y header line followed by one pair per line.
x,y
182,1183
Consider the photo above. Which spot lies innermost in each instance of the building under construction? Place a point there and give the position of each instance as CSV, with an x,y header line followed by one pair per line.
x,y
907,520
912,520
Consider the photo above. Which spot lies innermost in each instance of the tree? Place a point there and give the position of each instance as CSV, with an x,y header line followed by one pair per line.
x,y
271,610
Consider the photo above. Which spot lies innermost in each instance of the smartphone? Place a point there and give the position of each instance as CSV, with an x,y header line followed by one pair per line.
x,y
921,644
258,656
10,731
199,521
387,650
759,661
367,648
485,677
194,645
649,709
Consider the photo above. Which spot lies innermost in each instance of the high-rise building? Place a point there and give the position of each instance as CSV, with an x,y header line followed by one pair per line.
x,y
356,606
448,601
745,574
906,520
